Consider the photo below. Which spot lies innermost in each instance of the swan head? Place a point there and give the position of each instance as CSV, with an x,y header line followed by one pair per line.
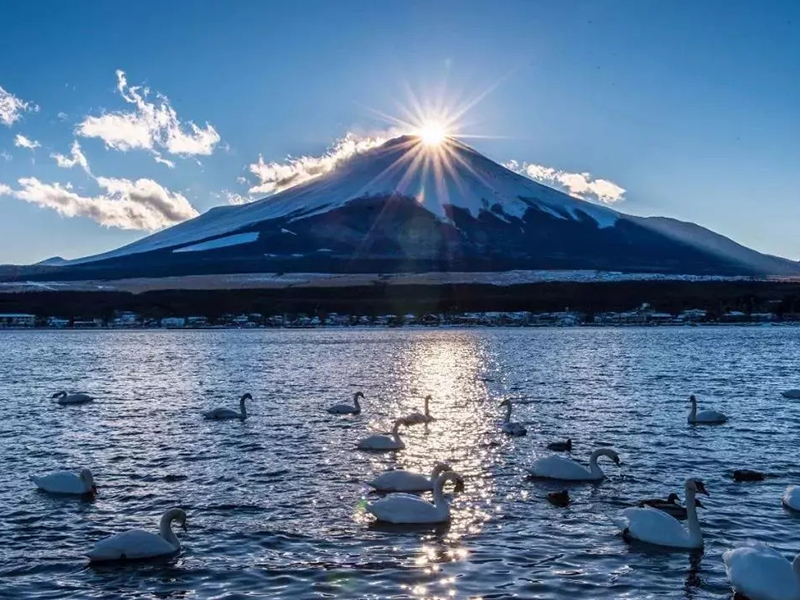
x,y
696,486
439,468
179,516
456,478
506,402
87,478
693,399
673,498
247,396
59,394
358,395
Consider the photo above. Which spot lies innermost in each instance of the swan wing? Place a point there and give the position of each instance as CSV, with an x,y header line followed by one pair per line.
x,y
791,497
379,442
342,409
221,413
79,398
710,416
401,481
656,527
761,573
558,467
61,482
405,508
791,394
131,545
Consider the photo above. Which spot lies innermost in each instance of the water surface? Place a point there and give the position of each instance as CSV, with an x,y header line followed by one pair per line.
x,y
276,503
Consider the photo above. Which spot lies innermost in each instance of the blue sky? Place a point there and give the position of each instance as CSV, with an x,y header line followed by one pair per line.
x,y
691,107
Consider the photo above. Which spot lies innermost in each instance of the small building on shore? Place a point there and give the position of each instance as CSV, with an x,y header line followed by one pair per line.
x,y
17,320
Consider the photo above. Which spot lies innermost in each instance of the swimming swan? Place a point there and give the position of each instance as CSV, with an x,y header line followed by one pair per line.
x,y
67,482
793,394
228,413
418,417
410,509
704,417
791,497
63,398
401,480
381,441
758,572
136,544
510,427
566,469
660,529
346,409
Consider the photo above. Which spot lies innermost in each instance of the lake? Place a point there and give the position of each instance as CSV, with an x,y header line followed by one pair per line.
x,y
276,503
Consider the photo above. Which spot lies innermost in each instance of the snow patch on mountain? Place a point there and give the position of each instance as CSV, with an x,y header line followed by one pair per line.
x,y
223,242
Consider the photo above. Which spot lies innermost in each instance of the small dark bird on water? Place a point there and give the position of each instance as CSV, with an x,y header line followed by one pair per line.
x,y
558,498
748,475
671,505
561,446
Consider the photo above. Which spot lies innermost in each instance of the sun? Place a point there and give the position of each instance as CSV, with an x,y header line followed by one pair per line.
x,y
432,133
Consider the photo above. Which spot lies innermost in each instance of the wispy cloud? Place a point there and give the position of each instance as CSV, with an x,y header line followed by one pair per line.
x,y
5,156
12,107
142,204
123,203
274,177
76,159
150,126
20,141
234,198
579,185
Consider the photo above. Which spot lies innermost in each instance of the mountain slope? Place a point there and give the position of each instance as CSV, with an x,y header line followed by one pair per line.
x,y
405,206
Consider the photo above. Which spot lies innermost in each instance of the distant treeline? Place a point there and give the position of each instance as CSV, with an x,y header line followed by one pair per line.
x,y
380,299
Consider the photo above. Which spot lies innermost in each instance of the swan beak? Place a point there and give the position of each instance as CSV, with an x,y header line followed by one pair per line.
x,y
698,504
459,486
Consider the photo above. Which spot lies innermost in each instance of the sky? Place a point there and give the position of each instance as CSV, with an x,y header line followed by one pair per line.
x,y
118,119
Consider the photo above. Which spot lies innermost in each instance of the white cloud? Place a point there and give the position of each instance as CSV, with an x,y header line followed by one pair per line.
x,y
579,185
150,126
141,204
274,177
11,107
4,190
20,141
76,158
62,116
5,156
160,159
234,198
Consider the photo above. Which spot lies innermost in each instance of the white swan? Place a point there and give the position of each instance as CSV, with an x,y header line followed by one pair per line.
x,y
510,427
136,544
63,398
228,413
407,481
791,497
381,441
793,394
704,417
346,409
418,417
67,482
566,469
410,509
656,527
758,572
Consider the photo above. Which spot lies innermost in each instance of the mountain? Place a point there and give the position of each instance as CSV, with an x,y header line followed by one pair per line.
x,y
405,206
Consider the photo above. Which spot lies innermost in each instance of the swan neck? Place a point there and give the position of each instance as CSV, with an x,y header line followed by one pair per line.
x,y
396,430
691,516
356,403
165,528
427,410
796,566
439,500
593,466
508,412
693,412
242,407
